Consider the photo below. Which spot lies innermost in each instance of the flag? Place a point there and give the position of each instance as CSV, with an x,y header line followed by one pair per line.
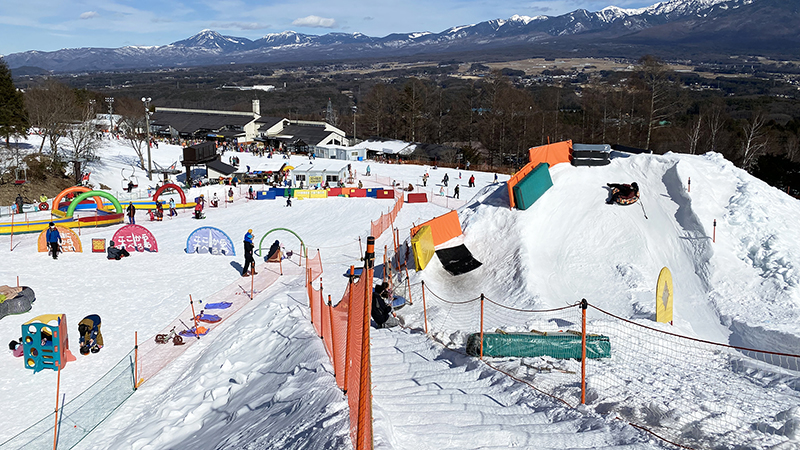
x,y
86,177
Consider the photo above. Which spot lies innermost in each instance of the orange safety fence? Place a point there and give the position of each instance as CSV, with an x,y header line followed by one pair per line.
x,y
347,343
386,220
315,266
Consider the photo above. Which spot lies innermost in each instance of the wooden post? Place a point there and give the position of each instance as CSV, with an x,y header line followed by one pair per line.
x,y
408,284
135,360
194,316
584,305
482,325
714,235
58,389
252,281
347,342
424,308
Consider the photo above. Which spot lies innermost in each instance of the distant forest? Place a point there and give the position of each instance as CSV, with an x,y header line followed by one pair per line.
x,y
491,118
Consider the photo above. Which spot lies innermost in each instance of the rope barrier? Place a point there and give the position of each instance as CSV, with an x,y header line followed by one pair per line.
x,y
694,339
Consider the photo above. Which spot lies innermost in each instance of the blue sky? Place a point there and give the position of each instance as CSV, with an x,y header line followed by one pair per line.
x,y
48,25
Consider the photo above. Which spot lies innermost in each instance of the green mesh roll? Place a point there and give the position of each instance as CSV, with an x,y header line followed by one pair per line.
x,y
561,345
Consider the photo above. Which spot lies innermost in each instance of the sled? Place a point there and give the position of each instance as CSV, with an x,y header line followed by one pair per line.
x,y
220,305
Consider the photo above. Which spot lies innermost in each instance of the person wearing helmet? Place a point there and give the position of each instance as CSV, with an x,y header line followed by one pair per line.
x,y
248,254
53,238
90,338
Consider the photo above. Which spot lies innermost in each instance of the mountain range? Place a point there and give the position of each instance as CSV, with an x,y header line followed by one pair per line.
x,y
674,28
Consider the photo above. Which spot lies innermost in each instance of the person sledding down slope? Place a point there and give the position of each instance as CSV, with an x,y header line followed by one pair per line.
x,y
623,194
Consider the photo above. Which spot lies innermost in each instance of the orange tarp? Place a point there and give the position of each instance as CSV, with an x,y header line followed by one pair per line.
x,y
443,228
551,154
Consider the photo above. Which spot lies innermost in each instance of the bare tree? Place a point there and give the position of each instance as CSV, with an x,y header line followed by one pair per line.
x,y
83,139
755,140
659,87
50,109
133,126
792,146
693,135
715,124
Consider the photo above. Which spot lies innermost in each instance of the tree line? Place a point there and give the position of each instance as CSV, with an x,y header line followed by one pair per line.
x,y
491,120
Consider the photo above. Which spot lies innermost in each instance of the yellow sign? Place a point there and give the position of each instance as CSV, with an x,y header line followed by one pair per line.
x,y
315,179
664,297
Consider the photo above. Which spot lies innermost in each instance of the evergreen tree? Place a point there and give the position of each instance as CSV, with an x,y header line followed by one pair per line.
x,y
13,117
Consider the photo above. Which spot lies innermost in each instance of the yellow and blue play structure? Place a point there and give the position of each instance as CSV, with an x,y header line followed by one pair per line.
x,y
45,343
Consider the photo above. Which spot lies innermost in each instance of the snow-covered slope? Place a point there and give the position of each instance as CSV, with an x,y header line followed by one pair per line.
x,y
262,379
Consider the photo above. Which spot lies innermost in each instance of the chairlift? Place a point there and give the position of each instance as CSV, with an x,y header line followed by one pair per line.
x,y
132,178
20,180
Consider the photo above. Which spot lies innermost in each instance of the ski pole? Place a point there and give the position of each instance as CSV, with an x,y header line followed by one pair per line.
x,y
189,330
643,211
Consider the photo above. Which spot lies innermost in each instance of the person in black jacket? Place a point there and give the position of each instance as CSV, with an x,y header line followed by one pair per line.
x,y
248,254
382,308
622,191
116,252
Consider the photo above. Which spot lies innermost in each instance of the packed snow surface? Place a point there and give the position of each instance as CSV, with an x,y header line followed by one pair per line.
x,y
262,379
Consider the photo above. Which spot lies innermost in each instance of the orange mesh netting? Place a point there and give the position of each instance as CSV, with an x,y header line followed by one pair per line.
x,y
315,266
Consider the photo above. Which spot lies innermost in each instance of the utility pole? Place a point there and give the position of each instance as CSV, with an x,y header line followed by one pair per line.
x,y
146,101
355,109
110,101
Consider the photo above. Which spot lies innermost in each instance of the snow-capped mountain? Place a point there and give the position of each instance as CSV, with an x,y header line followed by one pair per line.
x,y
674,25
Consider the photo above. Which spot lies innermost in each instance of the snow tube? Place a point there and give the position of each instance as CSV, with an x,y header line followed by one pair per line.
x,y
15,300
43,206
208,318
220,305
629,200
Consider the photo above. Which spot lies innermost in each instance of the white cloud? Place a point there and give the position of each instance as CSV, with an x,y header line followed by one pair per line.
x,y
315,22
240,25
89,15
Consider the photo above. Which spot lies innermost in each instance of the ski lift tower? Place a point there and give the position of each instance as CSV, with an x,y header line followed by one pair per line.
x,y
146,101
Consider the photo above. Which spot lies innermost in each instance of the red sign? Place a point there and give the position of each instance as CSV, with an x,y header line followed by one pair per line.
x,y
135,237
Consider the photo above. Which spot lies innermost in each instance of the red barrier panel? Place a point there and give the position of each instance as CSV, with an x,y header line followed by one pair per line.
x,y
417,198
335,192
385,193
358,193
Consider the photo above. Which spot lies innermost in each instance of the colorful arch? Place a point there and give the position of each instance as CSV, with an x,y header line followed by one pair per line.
x,y
85,195
170,186
70,190
302,244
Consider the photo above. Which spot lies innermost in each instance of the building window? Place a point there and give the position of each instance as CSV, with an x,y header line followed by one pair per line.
x,y
300,178
332,178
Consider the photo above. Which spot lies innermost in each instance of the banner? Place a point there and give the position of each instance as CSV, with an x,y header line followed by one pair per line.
x,y
70,242
664,297
135,237
210,240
